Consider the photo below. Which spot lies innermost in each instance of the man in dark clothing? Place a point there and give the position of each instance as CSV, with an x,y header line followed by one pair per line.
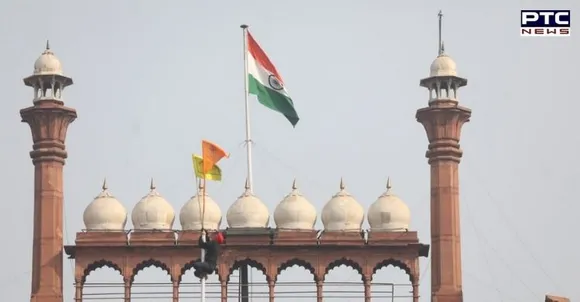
x,y
212,251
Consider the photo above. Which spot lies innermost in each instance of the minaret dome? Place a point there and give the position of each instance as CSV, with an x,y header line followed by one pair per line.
x,y
47,79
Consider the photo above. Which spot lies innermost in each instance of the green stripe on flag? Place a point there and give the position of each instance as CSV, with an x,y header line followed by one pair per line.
x,y
273,100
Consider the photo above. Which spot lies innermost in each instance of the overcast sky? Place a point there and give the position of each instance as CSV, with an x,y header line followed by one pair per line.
x,y
153,78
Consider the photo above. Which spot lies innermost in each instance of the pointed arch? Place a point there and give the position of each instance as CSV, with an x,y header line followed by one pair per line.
x,y
147,263
396,263
296,262
249,262
346,262
98,264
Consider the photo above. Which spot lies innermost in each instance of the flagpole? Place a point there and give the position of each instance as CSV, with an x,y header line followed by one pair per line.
x,y
243,282
202,234
248,140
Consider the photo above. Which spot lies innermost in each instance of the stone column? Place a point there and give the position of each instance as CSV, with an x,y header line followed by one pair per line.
x,y
319,290
78,290
368,291
224,287
48,121
175,290
272,289
443,120
127,289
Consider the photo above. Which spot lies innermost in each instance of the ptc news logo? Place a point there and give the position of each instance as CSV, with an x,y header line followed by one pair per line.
x,y
545,23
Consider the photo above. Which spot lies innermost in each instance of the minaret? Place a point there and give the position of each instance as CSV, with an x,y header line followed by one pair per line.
x,y
443,119
48,119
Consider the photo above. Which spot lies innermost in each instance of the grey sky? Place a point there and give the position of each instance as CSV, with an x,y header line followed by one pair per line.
x,y
153,79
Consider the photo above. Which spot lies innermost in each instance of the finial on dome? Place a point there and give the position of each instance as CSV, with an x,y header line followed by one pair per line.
x,y
47,45
294,186
105,187
389,185
152,185
440,45
200,185
342,186
247,186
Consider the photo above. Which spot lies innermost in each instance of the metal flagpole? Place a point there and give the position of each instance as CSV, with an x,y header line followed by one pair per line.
x,y
250,181
248,140
202,235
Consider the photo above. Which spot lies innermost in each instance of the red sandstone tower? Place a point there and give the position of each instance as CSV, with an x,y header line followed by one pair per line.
x,y
443,119
48,119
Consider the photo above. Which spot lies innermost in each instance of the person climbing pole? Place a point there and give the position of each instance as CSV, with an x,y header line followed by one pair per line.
x,y
211,245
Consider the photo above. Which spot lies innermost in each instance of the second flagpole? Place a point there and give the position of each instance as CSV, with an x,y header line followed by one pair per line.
x,y
244,288
202,185
248,140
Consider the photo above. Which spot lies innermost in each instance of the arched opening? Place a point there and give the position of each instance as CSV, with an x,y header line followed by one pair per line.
x,y
257,286
190,285
103,282
391,282
343,281
151,282
295,282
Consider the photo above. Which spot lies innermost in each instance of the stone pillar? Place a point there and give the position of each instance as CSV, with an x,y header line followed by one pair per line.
x,y
78,290
368,291
415,292
443,120
319,291
272,289
224,287
128,289
175,290
48,122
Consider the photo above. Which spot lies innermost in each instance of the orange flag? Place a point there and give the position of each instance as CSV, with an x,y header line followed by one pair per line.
x,y
211,154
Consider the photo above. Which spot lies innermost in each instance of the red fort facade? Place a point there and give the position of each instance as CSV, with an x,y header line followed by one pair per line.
x,y
270,250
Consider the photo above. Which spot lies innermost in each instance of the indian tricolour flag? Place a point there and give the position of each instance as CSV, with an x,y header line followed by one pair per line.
x,y
265,82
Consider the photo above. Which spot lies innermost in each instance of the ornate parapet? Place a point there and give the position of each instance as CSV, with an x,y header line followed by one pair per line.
x,y
270,251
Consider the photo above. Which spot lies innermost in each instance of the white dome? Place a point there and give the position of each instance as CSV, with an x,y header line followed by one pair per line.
x,y
105,213
153,212
190,214
389,213
248,212
47,63
442,66
343,212
295,212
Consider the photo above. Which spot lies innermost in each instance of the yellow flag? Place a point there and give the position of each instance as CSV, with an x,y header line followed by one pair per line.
x,y
215,173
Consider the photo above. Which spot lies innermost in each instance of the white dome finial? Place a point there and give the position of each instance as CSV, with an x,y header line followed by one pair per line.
x,y
105,213
47,63
153,212
248,211
342,212
389,213
105,187
440,45
295,212
190,214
